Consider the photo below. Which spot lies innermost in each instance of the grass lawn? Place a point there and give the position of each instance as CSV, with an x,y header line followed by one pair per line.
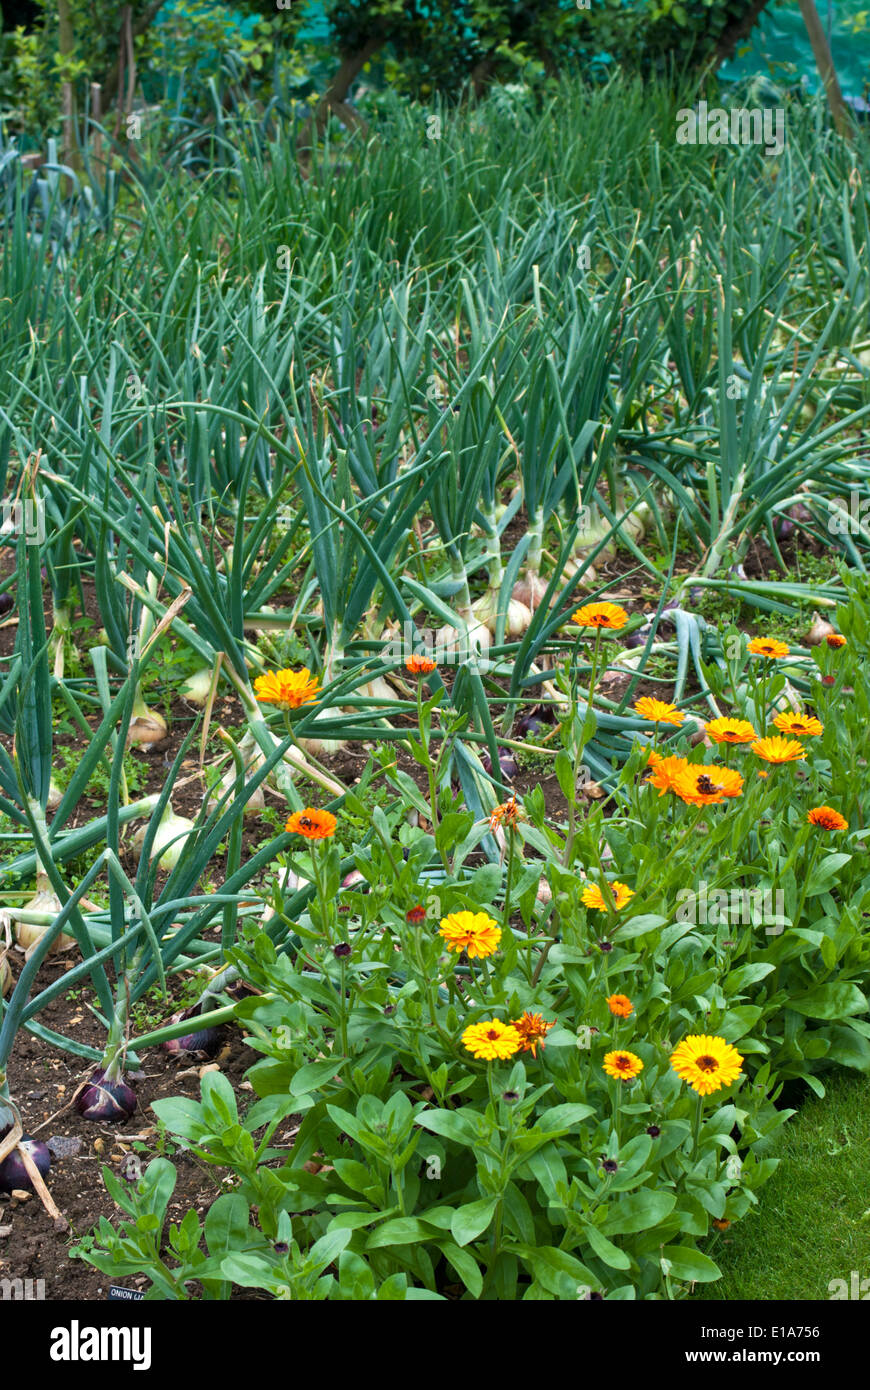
x,y
813,1222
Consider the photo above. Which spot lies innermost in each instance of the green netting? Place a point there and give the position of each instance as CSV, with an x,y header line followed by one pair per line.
x,y
780,49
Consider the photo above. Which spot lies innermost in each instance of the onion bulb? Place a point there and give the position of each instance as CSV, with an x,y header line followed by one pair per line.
x,y
147,727
196,688
202,1044
252,760
46,901
486,609
377,689
530,590
5,977
472,639
171,827
318,747
109,1100
14,1175
818,631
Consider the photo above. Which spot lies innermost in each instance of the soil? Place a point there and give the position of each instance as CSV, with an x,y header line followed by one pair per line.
x,y
44,1081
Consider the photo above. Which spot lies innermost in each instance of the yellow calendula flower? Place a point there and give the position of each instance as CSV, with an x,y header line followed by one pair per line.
x,y
706,1064
287,689
725,730
472,932
491,1040
658,711
778,749
698,785
798,725
623,1066
769,647
608,615
619,893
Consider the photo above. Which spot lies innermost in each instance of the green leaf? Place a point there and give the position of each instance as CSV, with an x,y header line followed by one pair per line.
x,y
226,1223
684,1262
405,1230
639,926
181,1115
465,1265
605,1249
452,1124
639,1211
313,1075
485,882
472,1220
830,1001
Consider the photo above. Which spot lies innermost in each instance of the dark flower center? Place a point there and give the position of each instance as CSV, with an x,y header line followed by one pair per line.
x,y
706,1063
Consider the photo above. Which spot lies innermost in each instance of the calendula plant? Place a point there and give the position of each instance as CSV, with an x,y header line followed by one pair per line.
x,y
514,1093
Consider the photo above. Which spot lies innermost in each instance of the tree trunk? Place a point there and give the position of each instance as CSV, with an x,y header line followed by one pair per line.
x,y
112,79
66,46
333,100
825,64
740,29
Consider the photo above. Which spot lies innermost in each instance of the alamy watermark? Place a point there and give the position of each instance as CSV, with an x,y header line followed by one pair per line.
x,y
23,518
856,1288
703,125
850,516
735,907
22,1290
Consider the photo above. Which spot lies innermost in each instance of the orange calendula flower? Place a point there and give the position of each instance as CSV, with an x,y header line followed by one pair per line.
x,y
623,1066
619,893
827,818
509,813
533,1029
287,689
835,639
778,749
416,914
492,1040
698,785
725,730
720,1223
658,711
620,1005
768,646
420,665
472,932
312,823
798,725
666,773
608,615
706,1064
653,758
